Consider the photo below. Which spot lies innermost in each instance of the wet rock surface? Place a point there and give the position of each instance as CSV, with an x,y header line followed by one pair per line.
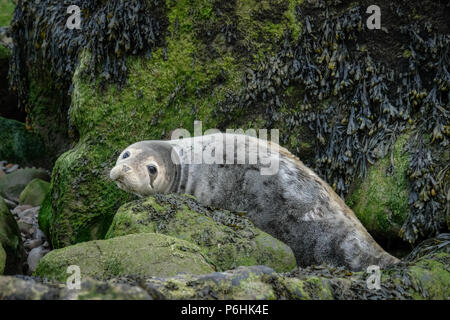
x,y
144,254
424,275
227,238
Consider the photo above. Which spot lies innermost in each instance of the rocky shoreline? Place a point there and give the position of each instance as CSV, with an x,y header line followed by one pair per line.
x,y
24,206
171,247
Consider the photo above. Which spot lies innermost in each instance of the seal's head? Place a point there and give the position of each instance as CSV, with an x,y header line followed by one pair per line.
x,y
146,168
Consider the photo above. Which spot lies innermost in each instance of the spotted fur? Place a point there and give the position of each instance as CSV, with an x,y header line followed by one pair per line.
x,y
294,204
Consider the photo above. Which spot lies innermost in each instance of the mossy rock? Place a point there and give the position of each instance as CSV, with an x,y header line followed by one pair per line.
x,y
144,254
380,200
2,259
34,193
10,240
424,274
426,277
47,116
19,145
227,239
12,185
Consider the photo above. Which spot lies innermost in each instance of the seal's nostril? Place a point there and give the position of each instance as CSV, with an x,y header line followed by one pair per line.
x,y
125,168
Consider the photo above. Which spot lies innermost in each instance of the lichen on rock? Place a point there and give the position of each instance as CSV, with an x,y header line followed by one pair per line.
x,y
34,193
380,200
227,239
12,185
144,254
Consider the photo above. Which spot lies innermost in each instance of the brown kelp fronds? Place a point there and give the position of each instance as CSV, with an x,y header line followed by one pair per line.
x,y
110,31
357,90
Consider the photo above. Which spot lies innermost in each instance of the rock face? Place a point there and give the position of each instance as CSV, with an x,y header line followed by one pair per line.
x,y
380,200
227,239
145,254
34,193
18,144
12,185
10,240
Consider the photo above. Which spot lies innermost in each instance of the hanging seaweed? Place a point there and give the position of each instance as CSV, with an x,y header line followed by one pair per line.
x,y
110,31
357,97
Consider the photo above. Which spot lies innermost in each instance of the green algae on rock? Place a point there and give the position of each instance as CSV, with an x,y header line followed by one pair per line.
x,y
380,200
18,144
34,193
2,259
6,12
426,277
12,185
10,240
144,254
227,239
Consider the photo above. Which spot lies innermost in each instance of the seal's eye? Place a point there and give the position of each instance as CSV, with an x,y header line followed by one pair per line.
x,y
152,169
126,155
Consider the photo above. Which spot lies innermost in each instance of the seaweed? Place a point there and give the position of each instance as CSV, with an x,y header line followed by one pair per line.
x,y
357,103
110,31
355,95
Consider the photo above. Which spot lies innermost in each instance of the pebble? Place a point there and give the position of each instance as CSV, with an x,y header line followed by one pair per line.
x,y
31,244
25,226
10,204
33,258
29,213
19,209
12,169
9,165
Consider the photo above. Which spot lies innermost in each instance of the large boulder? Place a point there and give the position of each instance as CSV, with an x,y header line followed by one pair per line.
x,y
6,12
34,193
12,185
380,200
10,240
144,254
227,239
20,145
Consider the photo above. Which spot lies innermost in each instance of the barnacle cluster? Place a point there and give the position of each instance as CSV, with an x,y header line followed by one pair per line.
x,y
357,92
110,31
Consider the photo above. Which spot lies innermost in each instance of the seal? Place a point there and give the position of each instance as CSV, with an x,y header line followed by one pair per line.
x,y
291,202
